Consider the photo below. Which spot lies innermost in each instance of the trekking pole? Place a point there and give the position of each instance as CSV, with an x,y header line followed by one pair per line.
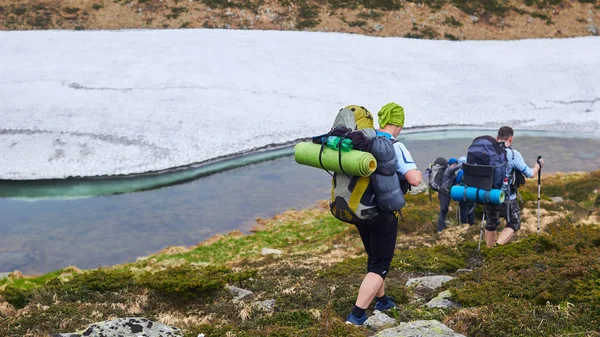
x,y
481,232
539,185
457,212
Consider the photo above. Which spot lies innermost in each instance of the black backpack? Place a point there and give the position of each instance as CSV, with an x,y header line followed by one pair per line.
x,y
486,165
435,173
517,177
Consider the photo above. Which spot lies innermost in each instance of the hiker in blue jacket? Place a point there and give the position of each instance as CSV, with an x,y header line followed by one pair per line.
x,y
379,239
494,213
448,181
466,217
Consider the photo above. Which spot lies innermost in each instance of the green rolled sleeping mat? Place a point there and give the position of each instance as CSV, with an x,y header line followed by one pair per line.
x,y
354,162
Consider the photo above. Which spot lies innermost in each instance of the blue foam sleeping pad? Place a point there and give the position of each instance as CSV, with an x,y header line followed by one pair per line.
x,y
496,197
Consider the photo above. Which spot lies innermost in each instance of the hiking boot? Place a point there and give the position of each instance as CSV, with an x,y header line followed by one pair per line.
x,y
351,319
389,305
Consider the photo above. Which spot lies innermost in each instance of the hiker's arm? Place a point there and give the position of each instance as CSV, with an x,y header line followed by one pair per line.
x,y
406,165
413,177
519,164
459,177
451,171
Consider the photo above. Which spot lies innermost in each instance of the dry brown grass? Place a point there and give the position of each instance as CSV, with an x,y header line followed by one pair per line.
x,y
529,221
569,19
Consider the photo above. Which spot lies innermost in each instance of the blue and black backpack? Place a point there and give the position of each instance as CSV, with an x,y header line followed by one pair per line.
x,y
486,151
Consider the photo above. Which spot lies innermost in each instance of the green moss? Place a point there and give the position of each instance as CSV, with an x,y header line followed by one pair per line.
x,y
523,319
437,259
71,10
537,269
30,283
474,7
300,319
581,189
88,286
241,4
17,297
308,16
418,219
451,21
186,281
20,10
60,316
450,37
370,15
349,266
358,23
314,234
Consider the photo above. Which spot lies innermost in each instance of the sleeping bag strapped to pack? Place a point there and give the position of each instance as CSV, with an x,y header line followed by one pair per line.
x,y
435,173
386,183
355,199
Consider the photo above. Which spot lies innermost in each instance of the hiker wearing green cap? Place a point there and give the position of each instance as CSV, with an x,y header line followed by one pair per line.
x,y
379,239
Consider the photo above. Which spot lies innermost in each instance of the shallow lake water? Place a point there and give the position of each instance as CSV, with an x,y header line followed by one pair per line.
x,y
43,235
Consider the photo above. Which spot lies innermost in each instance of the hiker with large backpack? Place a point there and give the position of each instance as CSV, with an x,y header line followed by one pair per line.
x,y
510,208
449,179
379,234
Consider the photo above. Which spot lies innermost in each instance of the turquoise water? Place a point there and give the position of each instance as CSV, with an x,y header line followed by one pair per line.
x,y
48,234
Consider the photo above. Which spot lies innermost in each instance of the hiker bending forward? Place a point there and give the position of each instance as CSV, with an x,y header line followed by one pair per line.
x,y
379,236
494,213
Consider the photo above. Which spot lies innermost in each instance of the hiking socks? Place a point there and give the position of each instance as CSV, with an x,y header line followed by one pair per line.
x,y
383,300
358,312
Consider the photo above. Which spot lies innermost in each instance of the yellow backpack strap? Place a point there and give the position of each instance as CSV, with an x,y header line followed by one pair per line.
x,y
357,192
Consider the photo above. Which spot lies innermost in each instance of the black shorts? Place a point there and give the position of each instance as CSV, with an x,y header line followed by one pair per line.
x,y
493,213
379,238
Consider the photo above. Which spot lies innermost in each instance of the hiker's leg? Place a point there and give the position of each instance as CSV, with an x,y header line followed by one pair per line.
x,y
506,235
365,236
490,238
382,245
381,290
464,210
444,204
492,220
471,216
369,288
513,226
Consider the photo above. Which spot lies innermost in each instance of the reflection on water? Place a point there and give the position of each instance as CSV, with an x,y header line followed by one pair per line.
x,y
50,234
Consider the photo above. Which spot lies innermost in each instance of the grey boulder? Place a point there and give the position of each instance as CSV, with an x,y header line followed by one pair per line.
x,y
430,328
127,327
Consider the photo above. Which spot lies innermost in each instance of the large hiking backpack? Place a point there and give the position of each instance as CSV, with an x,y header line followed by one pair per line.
x,y
435,173
357,199
488,152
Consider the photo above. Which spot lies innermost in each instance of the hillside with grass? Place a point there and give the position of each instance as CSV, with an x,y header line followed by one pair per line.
x,y
427,19
304,268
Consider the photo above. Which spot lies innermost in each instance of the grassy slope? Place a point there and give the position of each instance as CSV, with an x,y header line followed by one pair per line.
x,y
546,285
430,19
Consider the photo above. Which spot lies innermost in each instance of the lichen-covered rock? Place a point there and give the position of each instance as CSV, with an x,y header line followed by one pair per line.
x,y
271,251
442,300
431,282
239,293
379,321
266,305
127,327
430,328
